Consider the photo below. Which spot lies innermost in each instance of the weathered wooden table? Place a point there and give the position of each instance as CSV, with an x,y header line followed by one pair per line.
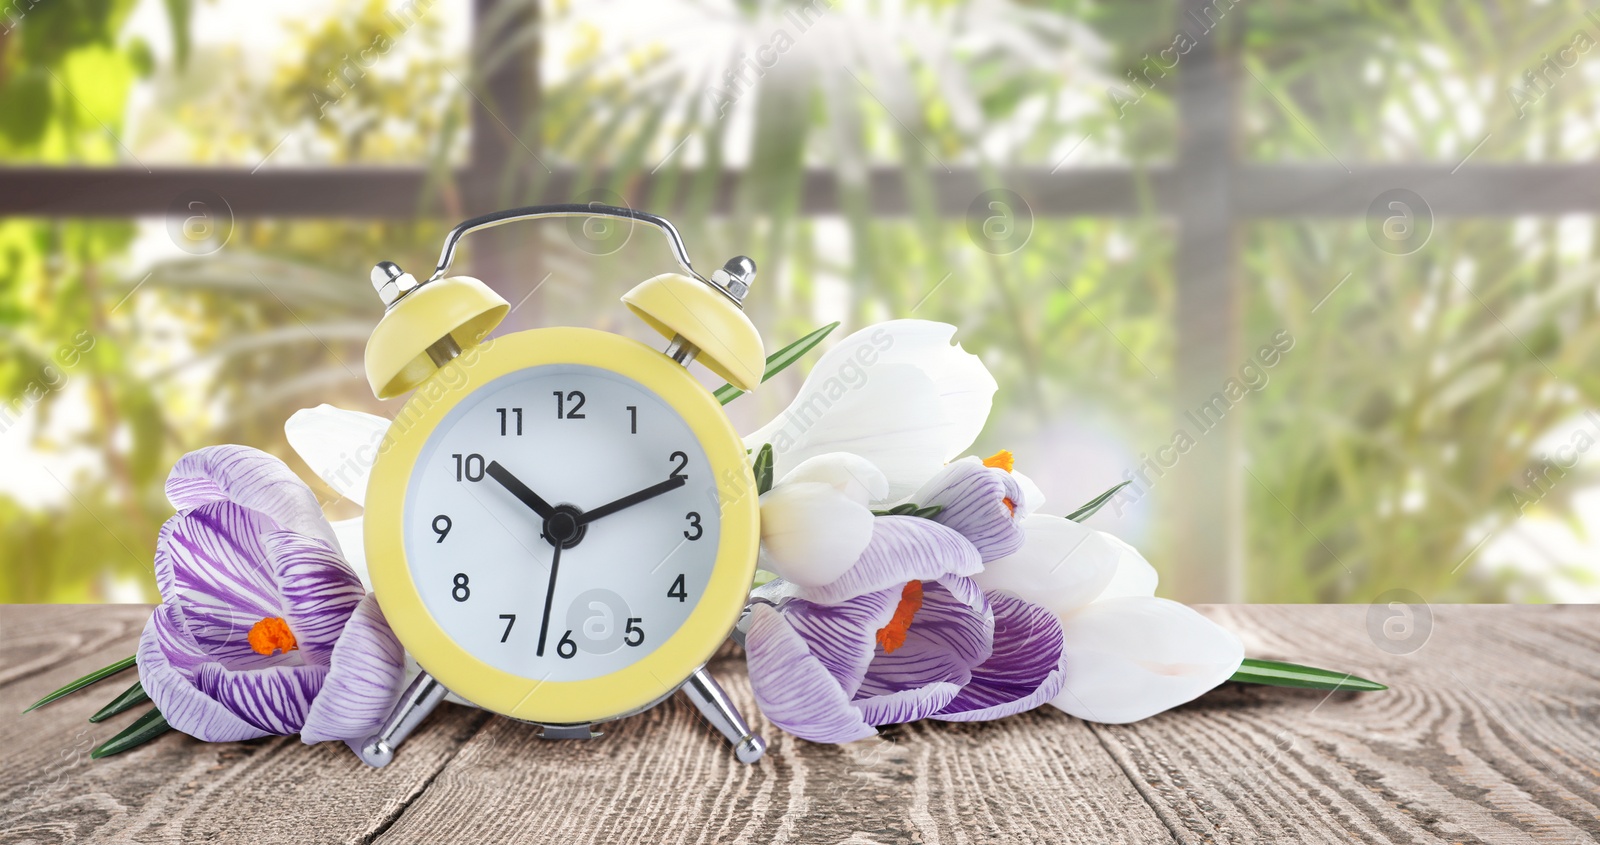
x,y
1490,733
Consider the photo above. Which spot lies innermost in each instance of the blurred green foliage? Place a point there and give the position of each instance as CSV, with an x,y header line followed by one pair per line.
x,y
1387,445
186,352
54,296
1448,367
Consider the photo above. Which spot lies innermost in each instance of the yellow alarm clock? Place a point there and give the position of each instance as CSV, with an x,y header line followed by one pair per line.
x,y
561,525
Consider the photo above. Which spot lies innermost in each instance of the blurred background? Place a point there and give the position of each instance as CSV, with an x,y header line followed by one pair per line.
x,y
1318,279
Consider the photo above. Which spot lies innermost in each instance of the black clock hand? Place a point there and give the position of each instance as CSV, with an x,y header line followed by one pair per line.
x,y
520,490
549,596
632,499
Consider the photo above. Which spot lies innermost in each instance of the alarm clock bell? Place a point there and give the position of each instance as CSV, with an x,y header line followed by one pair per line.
x,y
428,324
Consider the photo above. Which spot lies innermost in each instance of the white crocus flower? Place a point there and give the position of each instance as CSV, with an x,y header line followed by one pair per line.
x,y
815,521
1130,655
897,394
1032,496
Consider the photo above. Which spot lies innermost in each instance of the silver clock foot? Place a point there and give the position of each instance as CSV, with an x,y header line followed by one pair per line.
x,y
713,703
570,732
415,704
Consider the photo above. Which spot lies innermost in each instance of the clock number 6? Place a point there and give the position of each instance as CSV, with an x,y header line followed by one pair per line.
x,y
567,648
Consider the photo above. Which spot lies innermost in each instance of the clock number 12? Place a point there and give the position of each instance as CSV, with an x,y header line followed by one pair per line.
x,y
573,413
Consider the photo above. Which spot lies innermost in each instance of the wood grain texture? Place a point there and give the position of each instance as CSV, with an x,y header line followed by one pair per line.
x,y
1490,734
666,777
32,641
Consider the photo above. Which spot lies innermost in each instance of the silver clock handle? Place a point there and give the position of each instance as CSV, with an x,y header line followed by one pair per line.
x,y
732,280
578,209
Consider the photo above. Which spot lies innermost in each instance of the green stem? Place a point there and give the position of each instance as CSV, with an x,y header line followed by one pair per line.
x,y
90,679
1276,674
147,727
130,698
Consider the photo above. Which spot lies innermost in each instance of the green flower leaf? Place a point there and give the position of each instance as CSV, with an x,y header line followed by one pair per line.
x,y
911,509
145,728
90,679
778,361
763,469
1096,503
131,697
1276,674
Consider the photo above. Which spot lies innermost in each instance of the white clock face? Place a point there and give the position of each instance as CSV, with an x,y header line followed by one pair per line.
x,y
567,456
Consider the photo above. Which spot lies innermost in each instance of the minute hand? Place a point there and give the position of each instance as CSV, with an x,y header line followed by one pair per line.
x,y
632,499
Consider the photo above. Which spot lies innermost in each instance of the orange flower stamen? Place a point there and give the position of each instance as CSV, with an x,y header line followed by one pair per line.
x,y
1002,459
893,635
1011,506
272,634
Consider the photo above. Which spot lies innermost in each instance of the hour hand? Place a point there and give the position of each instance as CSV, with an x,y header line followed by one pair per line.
x,y
632,499
523,493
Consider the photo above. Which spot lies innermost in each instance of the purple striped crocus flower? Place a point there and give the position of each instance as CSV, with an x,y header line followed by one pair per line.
x,y
263,629
982,500
904,634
